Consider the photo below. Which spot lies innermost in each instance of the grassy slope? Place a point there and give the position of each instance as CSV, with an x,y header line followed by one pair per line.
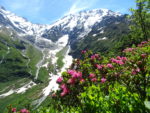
x,y
14,64
14,71
43,75
35,56
22,100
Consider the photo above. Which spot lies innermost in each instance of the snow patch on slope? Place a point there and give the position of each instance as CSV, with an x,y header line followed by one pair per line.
x,y
104,38
53,86
62,42
23,89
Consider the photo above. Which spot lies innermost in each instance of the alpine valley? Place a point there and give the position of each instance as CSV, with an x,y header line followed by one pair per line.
x,y
33,56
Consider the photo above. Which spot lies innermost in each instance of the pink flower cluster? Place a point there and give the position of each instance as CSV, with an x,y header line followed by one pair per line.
x,y
92,77
128,50
135,71
75,74
82,80
110,66
59,80
65,90
119,60
103,80
83,51
100,67
94,56
142,43
143,55
24,111
13,110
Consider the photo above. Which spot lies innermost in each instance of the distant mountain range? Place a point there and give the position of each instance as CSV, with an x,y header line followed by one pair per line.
x,y
98,25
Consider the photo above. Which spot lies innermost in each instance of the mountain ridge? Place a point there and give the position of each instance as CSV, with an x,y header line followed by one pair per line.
x,y
77,26
18,19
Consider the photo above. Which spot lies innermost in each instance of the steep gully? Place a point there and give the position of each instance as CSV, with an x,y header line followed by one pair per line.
x,y
53,86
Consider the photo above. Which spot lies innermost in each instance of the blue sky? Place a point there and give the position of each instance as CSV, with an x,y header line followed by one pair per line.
x,y
48,11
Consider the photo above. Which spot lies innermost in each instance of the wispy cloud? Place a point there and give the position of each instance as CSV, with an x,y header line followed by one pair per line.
x,y
30,7
79,5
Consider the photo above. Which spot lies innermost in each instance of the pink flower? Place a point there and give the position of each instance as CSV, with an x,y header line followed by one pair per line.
x,y
99,66
138,70
143,55
82,80
83,51
96,55
13,110
91,75
119,58
71,81
135,71
140,45
120,62
144,42
24,111
117,61
59,80
76,74
109,65
92,57
113,60
124,58
79,74
65,91
94,79
128,50
63,86
103,80
71,72
63,94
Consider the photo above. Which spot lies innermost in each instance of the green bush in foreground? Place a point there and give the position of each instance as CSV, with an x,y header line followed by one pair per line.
x,y
100,84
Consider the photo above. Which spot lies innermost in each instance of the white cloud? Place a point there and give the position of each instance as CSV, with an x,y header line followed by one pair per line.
x,y
79,5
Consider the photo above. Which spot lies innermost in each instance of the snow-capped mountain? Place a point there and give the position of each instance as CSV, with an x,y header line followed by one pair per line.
x,y
82,20
76,26
81,23
14,21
